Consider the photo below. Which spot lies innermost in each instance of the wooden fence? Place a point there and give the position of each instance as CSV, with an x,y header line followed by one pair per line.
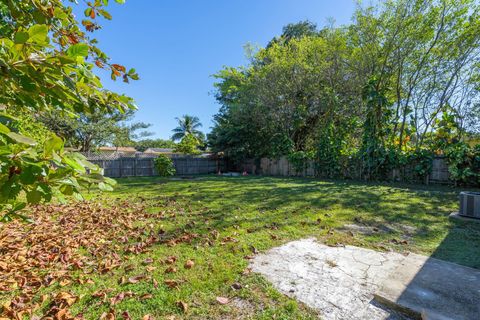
x,y
141,165
283,167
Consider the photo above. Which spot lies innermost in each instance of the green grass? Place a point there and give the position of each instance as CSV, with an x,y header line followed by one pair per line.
x,y
260,213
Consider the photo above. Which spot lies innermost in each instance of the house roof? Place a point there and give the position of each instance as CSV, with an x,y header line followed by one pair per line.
x,y
118,149
159,150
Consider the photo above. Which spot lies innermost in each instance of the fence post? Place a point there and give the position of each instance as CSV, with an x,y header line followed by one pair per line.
x,y
120,168
135,166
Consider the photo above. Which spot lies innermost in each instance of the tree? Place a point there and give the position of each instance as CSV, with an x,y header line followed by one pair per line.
x,y
90,130
144,144
188,145
379,91
188,125
46,63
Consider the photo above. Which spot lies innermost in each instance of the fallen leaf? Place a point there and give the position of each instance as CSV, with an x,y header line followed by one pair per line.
x,y
146,296
171,260
171,270
183,306
66,298
171,283
189,264
136,279
222,300
108,316
236,286
150,268
119,297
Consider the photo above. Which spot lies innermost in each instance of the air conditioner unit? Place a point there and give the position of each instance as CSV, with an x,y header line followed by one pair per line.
x,y
470,204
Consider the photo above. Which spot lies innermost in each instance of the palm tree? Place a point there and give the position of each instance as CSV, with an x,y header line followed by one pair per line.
x,y
188,125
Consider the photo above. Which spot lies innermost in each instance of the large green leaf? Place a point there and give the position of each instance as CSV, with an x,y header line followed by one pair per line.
x,y
21,37
38,33
22,139
54,143
78,50
34,196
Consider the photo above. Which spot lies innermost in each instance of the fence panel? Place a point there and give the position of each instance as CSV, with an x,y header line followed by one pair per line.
x,y
282,167
142,165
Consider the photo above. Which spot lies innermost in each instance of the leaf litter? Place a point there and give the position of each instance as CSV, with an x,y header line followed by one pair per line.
x,y
85,236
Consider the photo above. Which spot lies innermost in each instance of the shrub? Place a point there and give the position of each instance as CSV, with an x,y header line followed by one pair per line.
x,y
164,166
464,163
299,160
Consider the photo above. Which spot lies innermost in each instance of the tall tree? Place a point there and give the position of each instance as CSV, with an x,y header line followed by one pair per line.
x,y
90,130
401,75
188,125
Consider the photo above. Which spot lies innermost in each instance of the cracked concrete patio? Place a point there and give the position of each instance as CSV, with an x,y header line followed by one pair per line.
x,y
341,282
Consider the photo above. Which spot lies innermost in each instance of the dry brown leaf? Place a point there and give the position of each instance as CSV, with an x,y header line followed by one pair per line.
x,y
146,296
119,297
136,279
108,316
222,300
171,260
171,270
189,264
171,283
66,298
182,306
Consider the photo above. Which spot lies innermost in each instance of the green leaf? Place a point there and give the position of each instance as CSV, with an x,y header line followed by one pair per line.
x,y
21,139
87,12
74,164
34,196
38,33
29,174
78,196
21,37
105,187
19,206
4,129
105,14
67,190
120,1
78,50
65,59
54,143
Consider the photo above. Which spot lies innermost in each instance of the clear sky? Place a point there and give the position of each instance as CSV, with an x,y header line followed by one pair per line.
x,y
176,46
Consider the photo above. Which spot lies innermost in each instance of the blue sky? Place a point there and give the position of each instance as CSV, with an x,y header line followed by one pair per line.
x,y
176,46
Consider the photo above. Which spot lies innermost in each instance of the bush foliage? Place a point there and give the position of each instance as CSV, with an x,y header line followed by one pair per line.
x,y
164,166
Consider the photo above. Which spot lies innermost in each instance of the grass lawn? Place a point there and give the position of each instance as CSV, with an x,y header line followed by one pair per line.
x,y
219,223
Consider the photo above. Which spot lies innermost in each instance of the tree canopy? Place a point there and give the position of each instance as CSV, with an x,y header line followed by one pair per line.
x,y
402,78
188,125
47,63
88,131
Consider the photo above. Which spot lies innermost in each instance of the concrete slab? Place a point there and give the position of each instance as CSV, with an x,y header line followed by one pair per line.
x,y
456,215
341,282
435,289
337,281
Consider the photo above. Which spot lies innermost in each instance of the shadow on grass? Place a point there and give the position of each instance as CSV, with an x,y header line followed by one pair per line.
x,y
421,210
416,212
